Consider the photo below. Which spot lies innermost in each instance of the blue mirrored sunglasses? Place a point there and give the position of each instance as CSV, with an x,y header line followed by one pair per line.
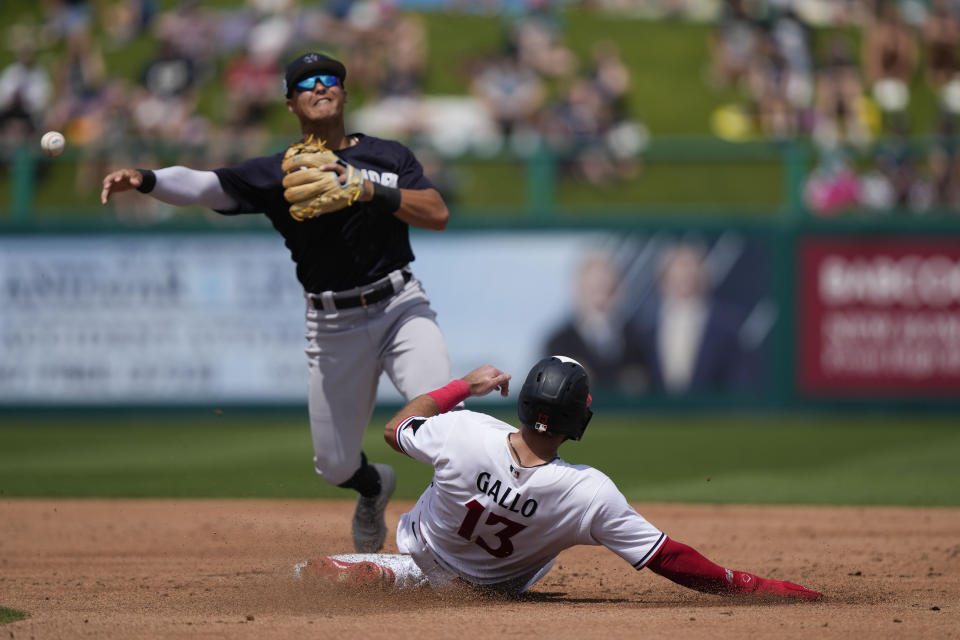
x,y
307,84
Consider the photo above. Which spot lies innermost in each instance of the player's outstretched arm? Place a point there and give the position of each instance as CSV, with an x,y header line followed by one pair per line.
x,y
179,186
478,382
687,567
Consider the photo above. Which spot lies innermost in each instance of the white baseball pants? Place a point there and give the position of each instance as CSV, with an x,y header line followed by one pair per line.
x,y
347,351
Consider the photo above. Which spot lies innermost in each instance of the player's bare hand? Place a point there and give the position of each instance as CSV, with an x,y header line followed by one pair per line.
x,y
487,378
122,180
341,170
337,168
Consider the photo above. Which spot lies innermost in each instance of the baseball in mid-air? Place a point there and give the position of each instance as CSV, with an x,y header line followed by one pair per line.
x,y
53,143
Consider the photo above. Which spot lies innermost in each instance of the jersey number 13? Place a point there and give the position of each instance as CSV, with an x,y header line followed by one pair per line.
x,y
510,528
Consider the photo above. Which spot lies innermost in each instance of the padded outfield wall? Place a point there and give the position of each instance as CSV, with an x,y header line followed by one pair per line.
x,y
810,312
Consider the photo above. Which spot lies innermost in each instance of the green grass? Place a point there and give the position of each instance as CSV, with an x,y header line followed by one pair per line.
x,y
11,615
691,183
455,40
813,460
669,62
822,459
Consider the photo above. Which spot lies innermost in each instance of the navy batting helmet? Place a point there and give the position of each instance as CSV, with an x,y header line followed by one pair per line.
x,y
555,398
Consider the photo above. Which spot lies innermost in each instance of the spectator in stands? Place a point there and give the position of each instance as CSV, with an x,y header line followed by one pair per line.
x,y
511,92
944,164
189,32
164,115
250,77
360,31
166,98
538,44
169,73
792,40
844,12
67,16
403,65
624,136
610,77
896,162
767,79
79,80
941,39
732,43
127,19
833,185
250,83
575,127
890,56
25,90
840,110
595,335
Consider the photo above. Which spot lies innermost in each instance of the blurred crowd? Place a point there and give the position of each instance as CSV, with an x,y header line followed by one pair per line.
x,y
851,95
206,92
533,91
233,55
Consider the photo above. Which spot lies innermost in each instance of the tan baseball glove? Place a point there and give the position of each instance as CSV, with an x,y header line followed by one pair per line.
x,y
312,192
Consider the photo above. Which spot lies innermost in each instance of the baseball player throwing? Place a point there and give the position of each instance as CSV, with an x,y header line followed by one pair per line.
x,y
365,312
503,504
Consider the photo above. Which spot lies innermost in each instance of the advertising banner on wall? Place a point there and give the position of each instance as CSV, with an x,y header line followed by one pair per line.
x,y
879,317
148,319
135,318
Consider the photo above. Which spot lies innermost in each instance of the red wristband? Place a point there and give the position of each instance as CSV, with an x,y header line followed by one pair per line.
x,y
451,395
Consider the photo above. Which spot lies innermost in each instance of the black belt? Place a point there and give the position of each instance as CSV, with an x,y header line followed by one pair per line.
x,y
379,290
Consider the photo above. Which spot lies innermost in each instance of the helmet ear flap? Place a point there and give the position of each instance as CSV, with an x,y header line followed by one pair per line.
x,y
587,415
585,423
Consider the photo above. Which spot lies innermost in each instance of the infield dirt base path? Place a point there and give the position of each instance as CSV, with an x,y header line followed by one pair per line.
x,y
222,569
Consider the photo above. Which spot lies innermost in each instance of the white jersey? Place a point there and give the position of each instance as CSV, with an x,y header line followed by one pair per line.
x,y
491,521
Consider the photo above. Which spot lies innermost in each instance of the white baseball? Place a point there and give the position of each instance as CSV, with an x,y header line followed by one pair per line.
x,y
53,143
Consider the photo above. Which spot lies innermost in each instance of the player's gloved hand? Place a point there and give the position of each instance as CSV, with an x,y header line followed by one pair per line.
x,y
317,181
744,582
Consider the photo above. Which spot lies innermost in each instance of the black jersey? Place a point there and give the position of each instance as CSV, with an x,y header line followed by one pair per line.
x,y
346,248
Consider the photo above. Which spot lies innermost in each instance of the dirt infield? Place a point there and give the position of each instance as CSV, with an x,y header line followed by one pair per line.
x,y
222,569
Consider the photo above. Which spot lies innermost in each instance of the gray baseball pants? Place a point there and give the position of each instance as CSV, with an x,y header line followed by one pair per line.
x,y
348,350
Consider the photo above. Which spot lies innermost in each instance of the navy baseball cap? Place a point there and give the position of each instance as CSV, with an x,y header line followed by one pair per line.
x,y
311,64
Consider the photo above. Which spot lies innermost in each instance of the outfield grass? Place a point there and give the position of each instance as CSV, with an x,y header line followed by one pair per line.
x,y
11,615
836,459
